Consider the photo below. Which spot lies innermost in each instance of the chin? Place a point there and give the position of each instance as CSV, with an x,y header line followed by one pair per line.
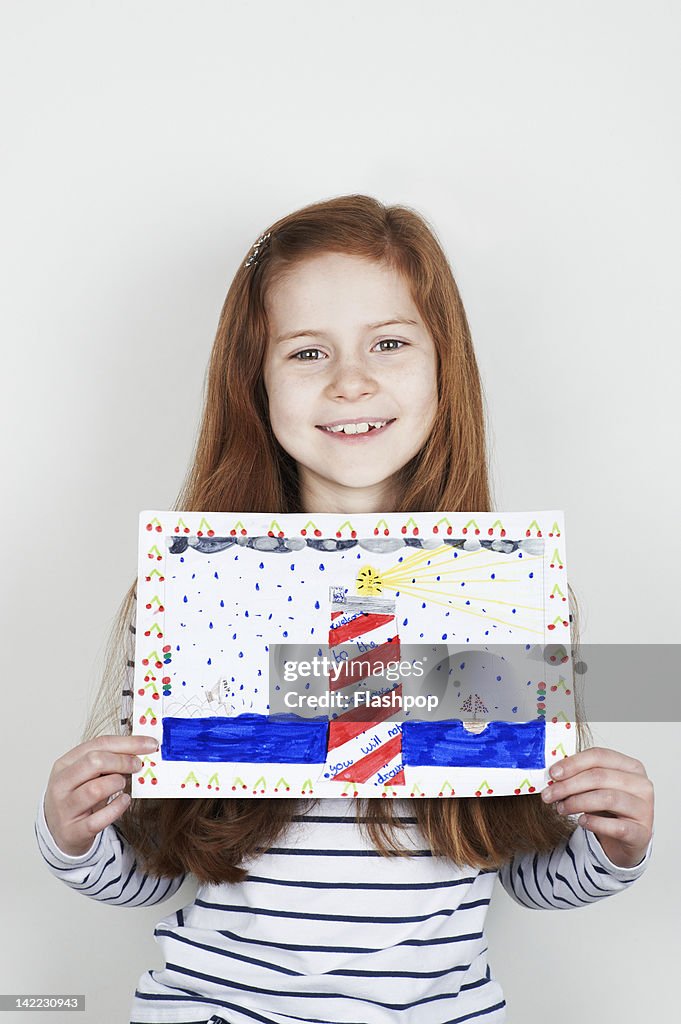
x,y
358,480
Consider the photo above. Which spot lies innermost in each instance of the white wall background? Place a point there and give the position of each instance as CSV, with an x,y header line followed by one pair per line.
x,y
145,146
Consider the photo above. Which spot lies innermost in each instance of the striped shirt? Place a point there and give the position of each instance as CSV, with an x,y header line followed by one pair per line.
x,y
326,930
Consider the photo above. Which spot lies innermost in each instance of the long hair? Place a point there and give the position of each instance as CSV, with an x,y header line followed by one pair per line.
x,y
239,464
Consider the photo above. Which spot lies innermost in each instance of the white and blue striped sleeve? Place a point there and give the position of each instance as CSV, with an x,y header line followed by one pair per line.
x,y
107,872
577,872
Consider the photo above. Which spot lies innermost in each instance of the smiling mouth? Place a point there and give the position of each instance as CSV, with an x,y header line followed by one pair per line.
x,y
357,431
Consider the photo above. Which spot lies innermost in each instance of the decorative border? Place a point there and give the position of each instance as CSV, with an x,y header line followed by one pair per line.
x,y
212,532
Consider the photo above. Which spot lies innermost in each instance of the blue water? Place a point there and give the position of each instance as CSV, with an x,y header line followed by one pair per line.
x,y
501,745
286,739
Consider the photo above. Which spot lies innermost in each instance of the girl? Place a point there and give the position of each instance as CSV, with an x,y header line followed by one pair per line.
x,y
321,911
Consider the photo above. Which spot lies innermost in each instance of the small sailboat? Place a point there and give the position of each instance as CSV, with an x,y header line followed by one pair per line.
x,y
474,706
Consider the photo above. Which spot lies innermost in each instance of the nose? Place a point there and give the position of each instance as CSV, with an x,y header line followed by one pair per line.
x,y
351,380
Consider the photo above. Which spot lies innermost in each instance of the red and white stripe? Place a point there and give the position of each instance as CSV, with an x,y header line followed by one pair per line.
x,y
352,730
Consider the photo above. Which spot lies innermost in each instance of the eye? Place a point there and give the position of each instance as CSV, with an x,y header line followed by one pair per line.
x,y
304,352
391,341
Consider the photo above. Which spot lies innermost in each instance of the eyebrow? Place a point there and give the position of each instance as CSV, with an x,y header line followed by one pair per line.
x,y
322,334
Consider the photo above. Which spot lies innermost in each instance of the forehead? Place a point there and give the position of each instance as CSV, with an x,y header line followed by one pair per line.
x,y
337,288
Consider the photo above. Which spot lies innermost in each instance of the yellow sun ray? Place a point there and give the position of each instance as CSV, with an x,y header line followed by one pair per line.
x,y
478,615
398,570
421,591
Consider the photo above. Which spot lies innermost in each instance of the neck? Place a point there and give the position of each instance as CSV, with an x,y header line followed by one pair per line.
x,y
319,496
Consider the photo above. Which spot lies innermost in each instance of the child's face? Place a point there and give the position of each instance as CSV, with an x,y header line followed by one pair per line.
x,y
348,373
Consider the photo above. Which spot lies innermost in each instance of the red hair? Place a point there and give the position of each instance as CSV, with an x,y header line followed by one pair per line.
x,y
239,464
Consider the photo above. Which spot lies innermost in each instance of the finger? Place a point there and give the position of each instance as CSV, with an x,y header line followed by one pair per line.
x,y
90,826
598,778
94,795
608,801
108,799
103,803
127,788
92,765
596,757
138,743
630,833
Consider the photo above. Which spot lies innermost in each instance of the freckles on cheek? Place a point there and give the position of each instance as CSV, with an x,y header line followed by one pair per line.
x,y
420,391
284,412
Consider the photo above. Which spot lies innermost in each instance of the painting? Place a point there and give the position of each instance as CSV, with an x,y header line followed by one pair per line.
x,y
386,655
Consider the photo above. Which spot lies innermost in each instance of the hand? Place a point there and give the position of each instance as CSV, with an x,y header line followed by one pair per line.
x,y
76,807
620,793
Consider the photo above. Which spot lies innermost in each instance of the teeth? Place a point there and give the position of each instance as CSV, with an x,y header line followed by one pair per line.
x,y
355,428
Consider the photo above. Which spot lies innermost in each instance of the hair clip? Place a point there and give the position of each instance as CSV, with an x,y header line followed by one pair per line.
x,y
253,258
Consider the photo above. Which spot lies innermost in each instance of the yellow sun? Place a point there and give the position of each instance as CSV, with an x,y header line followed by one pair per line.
x,y
369,581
